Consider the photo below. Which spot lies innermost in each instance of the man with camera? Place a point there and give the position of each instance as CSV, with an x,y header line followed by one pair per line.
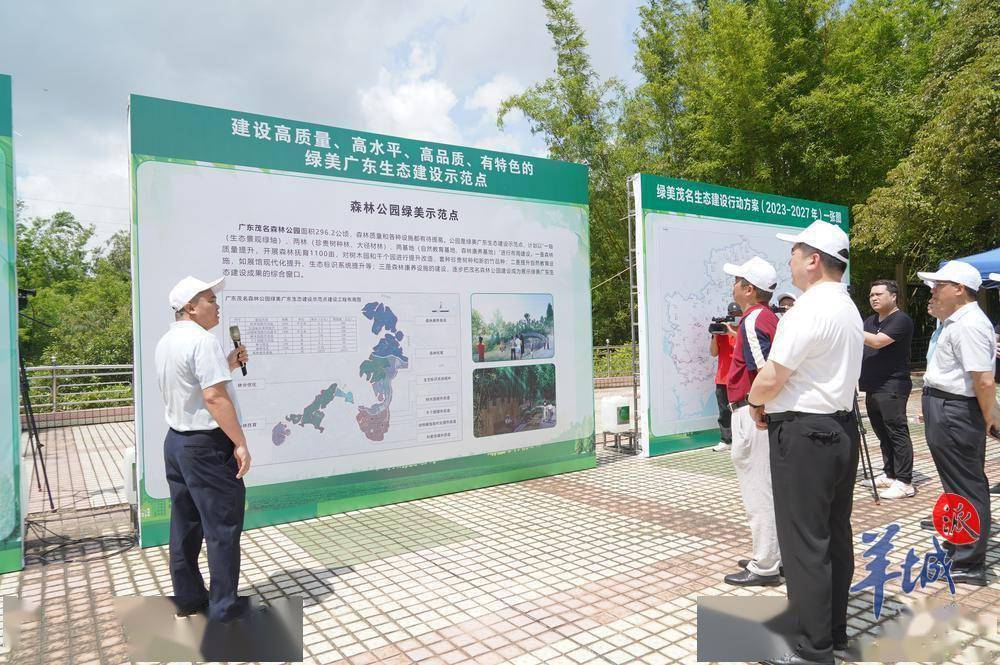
x,y
959,402
885,380
721,348
753,284
807,387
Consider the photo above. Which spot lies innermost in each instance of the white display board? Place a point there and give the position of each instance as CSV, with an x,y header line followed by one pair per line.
x,y
361,301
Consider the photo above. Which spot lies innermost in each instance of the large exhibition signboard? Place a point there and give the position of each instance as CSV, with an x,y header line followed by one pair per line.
x,y
11,537
417,314
685,232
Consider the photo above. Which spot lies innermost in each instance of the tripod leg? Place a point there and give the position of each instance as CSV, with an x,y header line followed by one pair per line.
x,y
868,471
33,436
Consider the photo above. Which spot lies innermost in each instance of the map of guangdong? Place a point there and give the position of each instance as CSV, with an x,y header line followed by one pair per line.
x,y
688,288
379,369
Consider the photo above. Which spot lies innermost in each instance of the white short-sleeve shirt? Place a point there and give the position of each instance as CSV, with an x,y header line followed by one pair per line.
x,y
822,341
188,360
964,343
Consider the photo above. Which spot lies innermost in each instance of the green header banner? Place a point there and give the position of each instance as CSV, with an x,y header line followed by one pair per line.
x,y
175,130
699,198
11,551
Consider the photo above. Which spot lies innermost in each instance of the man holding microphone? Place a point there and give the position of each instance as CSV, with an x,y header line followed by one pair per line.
x,y
205,453
807,387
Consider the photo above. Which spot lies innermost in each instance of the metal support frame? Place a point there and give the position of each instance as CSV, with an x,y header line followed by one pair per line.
x,y
633,306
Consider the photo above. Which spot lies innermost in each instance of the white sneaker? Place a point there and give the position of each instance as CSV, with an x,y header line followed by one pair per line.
x,y
898,490
882,482
721,447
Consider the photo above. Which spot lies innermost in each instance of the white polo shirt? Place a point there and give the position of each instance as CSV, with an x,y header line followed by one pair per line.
x,y
188,360
964,343
822,341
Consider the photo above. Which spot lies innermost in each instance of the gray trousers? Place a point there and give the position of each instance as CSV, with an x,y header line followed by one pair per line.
x,y
956,436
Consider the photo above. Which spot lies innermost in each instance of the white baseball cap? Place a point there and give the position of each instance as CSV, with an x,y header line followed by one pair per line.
x,y
188,288
824,236
757,271
995,276
786,294
959,272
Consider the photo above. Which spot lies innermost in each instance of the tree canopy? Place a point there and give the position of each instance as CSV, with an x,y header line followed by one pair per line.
x,y
888,106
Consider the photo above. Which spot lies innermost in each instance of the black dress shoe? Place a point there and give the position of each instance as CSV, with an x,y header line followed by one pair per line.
x,y
182,613
746,578
795,659
975,576
927,524
743,563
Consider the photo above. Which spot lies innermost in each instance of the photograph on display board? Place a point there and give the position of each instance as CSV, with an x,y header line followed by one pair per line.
x,y
512,326
513,399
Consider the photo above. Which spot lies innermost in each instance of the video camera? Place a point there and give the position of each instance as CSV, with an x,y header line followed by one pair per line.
x,y
778,309
718,324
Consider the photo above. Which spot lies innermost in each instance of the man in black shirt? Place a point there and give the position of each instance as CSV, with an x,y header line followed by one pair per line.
x,y
885,379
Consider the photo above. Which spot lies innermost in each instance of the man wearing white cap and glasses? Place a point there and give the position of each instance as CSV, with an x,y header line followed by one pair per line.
x,y
959,401
807,388
753,285
205,453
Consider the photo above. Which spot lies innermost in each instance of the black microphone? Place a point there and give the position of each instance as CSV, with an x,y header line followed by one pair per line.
x,y
234,332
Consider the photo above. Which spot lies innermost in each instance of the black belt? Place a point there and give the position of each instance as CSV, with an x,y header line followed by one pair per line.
x,y
941,394
785,416
735,405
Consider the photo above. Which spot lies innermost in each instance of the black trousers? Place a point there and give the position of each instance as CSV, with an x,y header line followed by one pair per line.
x,y
206,502
956,436
887,413
814,462
725,415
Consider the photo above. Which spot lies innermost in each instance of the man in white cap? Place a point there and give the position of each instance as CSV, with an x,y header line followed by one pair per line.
x,y
753,284
786,300
807,388
205,453
959,402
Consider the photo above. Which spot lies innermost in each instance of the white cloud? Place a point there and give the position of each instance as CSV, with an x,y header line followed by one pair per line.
x,y
487,98
326,62
412,102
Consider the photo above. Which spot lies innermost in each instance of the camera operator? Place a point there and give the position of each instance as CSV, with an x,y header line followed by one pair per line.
x,y
786,300
753,284
807,386
959,402
885,380
721,347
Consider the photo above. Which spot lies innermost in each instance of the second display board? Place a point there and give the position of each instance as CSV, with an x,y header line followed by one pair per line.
x,y
685,232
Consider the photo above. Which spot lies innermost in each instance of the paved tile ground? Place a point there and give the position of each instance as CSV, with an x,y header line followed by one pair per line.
x,y
600,566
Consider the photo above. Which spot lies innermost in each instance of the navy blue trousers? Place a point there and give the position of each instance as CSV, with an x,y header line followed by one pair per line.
x,y
206,502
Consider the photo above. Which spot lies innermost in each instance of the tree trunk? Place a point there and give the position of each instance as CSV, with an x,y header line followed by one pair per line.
x,y
903,287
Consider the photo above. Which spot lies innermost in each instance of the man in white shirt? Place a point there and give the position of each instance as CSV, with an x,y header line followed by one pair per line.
x,y
807,388
205,453
959,402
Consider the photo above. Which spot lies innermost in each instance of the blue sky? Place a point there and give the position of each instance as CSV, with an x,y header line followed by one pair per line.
x,y
431,69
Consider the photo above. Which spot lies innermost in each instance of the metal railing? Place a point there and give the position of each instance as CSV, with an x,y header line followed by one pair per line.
x,y
613,366
60,388
66,388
